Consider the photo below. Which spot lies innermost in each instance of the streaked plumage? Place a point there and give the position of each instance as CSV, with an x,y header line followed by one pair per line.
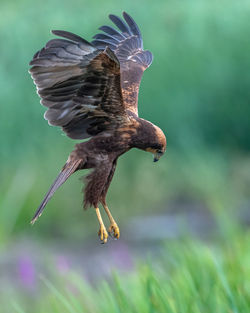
x,y
91,90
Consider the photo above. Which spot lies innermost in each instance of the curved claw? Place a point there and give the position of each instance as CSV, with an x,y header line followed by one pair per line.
x,y
114,231
103,234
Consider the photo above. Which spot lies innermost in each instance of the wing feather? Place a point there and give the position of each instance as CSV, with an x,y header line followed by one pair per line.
x,y
132,24
127,45
120,24
79,84
112,31
72,37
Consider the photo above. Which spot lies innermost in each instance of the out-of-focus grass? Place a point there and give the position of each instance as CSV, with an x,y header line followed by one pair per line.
x,y
190,276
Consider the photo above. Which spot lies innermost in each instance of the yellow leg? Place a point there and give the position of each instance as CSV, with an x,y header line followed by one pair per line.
x,y
113,228
103,234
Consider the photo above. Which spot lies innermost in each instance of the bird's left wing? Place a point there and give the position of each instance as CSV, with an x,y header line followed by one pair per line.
x,y
127,45
80,85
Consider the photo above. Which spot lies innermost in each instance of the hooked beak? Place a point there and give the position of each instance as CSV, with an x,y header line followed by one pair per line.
x,y
157,157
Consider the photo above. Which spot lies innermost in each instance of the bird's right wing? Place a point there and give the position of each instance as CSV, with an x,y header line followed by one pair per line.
x,y
80,86
127,45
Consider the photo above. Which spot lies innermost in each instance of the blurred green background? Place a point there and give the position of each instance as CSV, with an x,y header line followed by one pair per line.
x,y
197,90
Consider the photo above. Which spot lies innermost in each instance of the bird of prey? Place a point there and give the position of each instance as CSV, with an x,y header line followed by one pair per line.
x,y
91,91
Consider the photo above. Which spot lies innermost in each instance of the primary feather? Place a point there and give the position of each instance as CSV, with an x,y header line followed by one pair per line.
x,y
127,45
79,84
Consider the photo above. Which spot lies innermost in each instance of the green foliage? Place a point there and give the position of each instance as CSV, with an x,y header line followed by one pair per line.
x,y
190,276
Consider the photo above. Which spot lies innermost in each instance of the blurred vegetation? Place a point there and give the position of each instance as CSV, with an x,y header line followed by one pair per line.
x,y
188,277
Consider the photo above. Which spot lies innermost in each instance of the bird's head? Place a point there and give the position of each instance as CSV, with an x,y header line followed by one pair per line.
x,y
159,144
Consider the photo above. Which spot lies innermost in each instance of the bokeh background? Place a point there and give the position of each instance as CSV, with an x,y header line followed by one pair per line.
x,y
197,90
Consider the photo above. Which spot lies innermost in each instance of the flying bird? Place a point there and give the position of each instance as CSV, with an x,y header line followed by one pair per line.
x,y
91,91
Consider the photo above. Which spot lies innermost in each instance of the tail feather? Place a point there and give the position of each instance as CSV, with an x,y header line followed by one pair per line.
x,y
66,172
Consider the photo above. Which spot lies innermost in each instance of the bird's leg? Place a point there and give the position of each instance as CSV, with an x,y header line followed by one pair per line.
x,y
113,228
103,234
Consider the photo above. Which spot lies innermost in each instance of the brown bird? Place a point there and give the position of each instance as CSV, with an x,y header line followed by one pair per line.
x,y
91,91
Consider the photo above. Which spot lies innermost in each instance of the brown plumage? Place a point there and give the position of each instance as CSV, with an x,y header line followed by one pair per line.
x,y
91,90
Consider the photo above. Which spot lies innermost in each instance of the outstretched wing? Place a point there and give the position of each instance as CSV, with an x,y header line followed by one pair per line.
x,y
79,84
128,47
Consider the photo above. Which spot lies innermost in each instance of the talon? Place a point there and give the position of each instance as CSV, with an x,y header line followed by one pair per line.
x,y
103,234
114,231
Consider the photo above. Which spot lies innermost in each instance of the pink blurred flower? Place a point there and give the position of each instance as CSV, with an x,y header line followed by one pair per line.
x,y
26,272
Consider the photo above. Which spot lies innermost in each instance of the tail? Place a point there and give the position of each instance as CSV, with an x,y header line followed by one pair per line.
x,y
68,169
